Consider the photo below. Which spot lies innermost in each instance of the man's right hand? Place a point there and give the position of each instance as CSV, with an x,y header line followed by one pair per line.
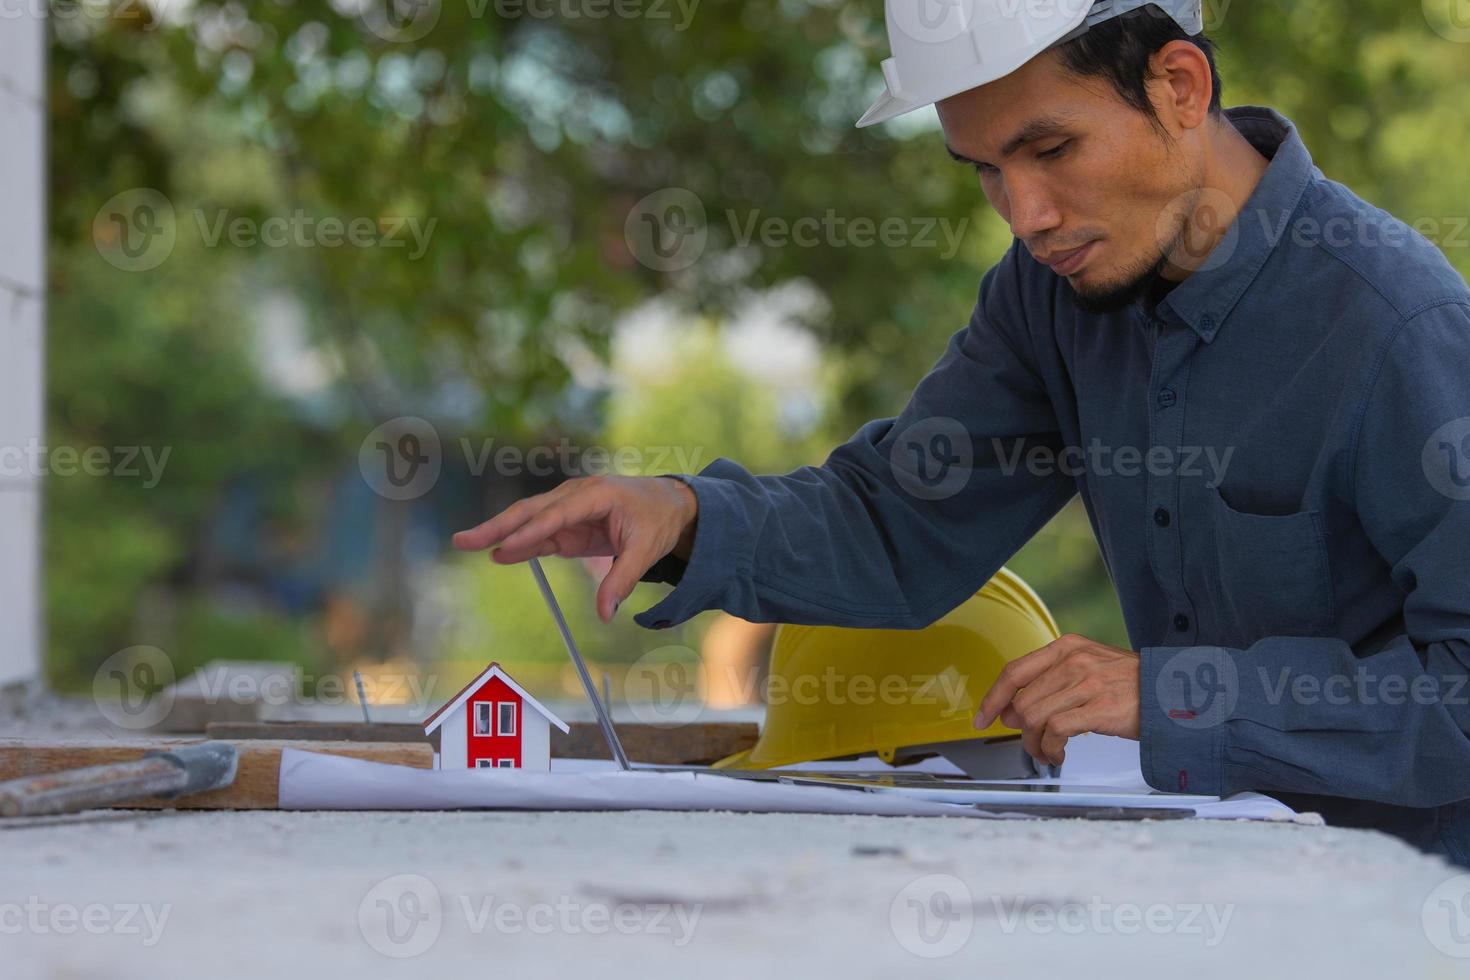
x,y
639,519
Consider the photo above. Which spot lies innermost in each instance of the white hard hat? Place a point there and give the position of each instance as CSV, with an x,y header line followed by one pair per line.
x,y
945,47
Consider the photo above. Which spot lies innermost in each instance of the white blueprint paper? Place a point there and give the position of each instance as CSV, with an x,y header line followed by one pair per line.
x,y
312,781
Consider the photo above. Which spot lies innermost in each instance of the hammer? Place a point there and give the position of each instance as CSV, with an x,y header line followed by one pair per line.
x,y
167,774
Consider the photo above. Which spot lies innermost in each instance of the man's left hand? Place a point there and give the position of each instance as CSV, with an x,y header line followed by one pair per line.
x,y
1068,687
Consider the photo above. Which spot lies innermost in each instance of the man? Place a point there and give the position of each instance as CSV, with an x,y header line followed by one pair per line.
x,y
1253,378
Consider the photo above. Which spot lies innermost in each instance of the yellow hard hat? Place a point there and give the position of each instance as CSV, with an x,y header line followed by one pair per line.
x,y
835,692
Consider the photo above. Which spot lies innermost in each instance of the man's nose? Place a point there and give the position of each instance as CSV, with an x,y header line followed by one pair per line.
x,y
1032,211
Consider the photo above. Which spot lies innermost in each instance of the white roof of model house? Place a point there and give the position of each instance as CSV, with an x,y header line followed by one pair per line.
x,y
494,670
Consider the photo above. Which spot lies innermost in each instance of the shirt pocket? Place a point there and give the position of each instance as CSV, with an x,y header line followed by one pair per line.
x,y
1273,571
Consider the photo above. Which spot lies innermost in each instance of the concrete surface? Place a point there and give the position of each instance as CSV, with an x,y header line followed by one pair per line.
x,y
708,895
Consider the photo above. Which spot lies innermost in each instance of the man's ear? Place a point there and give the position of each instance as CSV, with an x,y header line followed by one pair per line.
x,y
1182,86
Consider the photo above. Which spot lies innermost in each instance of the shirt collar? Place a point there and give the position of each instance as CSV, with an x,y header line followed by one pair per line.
x,y
1205,299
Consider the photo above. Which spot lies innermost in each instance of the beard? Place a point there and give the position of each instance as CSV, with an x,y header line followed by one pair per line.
x,y
1115,296
1134,281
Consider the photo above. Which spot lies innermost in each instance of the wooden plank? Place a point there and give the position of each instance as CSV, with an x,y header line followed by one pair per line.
x,y
696,744
256,787
683,745
318,731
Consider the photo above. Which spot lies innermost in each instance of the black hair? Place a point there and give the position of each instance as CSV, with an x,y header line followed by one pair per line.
x,y
1119,50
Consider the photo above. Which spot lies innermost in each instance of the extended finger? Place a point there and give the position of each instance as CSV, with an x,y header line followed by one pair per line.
x,y
1061,727
1034,719
1017,674
494,530
627,568
526,541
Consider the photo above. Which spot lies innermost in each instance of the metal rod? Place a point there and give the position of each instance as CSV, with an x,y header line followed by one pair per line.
x,y
361,696
94,786
603,718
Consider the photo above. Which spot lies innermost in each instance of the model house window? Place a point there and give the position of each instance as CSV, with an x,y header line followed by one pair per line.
x,y
506,763
483,764
505,721
482,718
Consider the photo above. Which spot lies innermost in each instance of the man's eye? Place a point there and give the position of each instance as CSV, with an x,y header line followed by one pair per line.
x,y
1054,152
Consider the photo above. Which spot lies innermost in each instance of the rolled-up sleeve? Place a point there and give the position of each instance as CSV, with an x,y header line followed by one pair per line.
x,y
1311,715
903,521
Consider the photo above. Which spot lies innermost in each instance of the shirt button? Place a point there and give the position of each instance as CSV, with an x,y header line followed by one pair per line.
x,y
1181,622
1167,397
1161,517
1207,322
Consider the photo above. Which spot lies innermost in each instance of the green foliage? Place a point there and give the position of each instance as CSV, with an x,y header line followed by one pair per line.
x,y
526,142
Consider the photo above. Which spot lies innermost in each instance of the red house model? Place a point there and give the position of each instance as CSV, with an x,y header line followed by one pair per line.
x,y
492,723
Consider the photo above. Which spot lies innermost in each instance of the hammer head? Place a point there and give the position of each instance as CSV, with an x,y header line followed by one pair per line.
x,y
208,765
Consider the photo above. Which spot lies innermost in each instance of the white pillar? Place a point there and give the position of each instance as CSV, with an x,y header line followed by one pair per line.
x,y
23,322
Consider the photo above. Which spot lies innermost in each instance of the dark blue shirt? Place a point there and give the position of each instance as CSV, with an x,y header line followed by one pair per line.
x,y
1275,460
